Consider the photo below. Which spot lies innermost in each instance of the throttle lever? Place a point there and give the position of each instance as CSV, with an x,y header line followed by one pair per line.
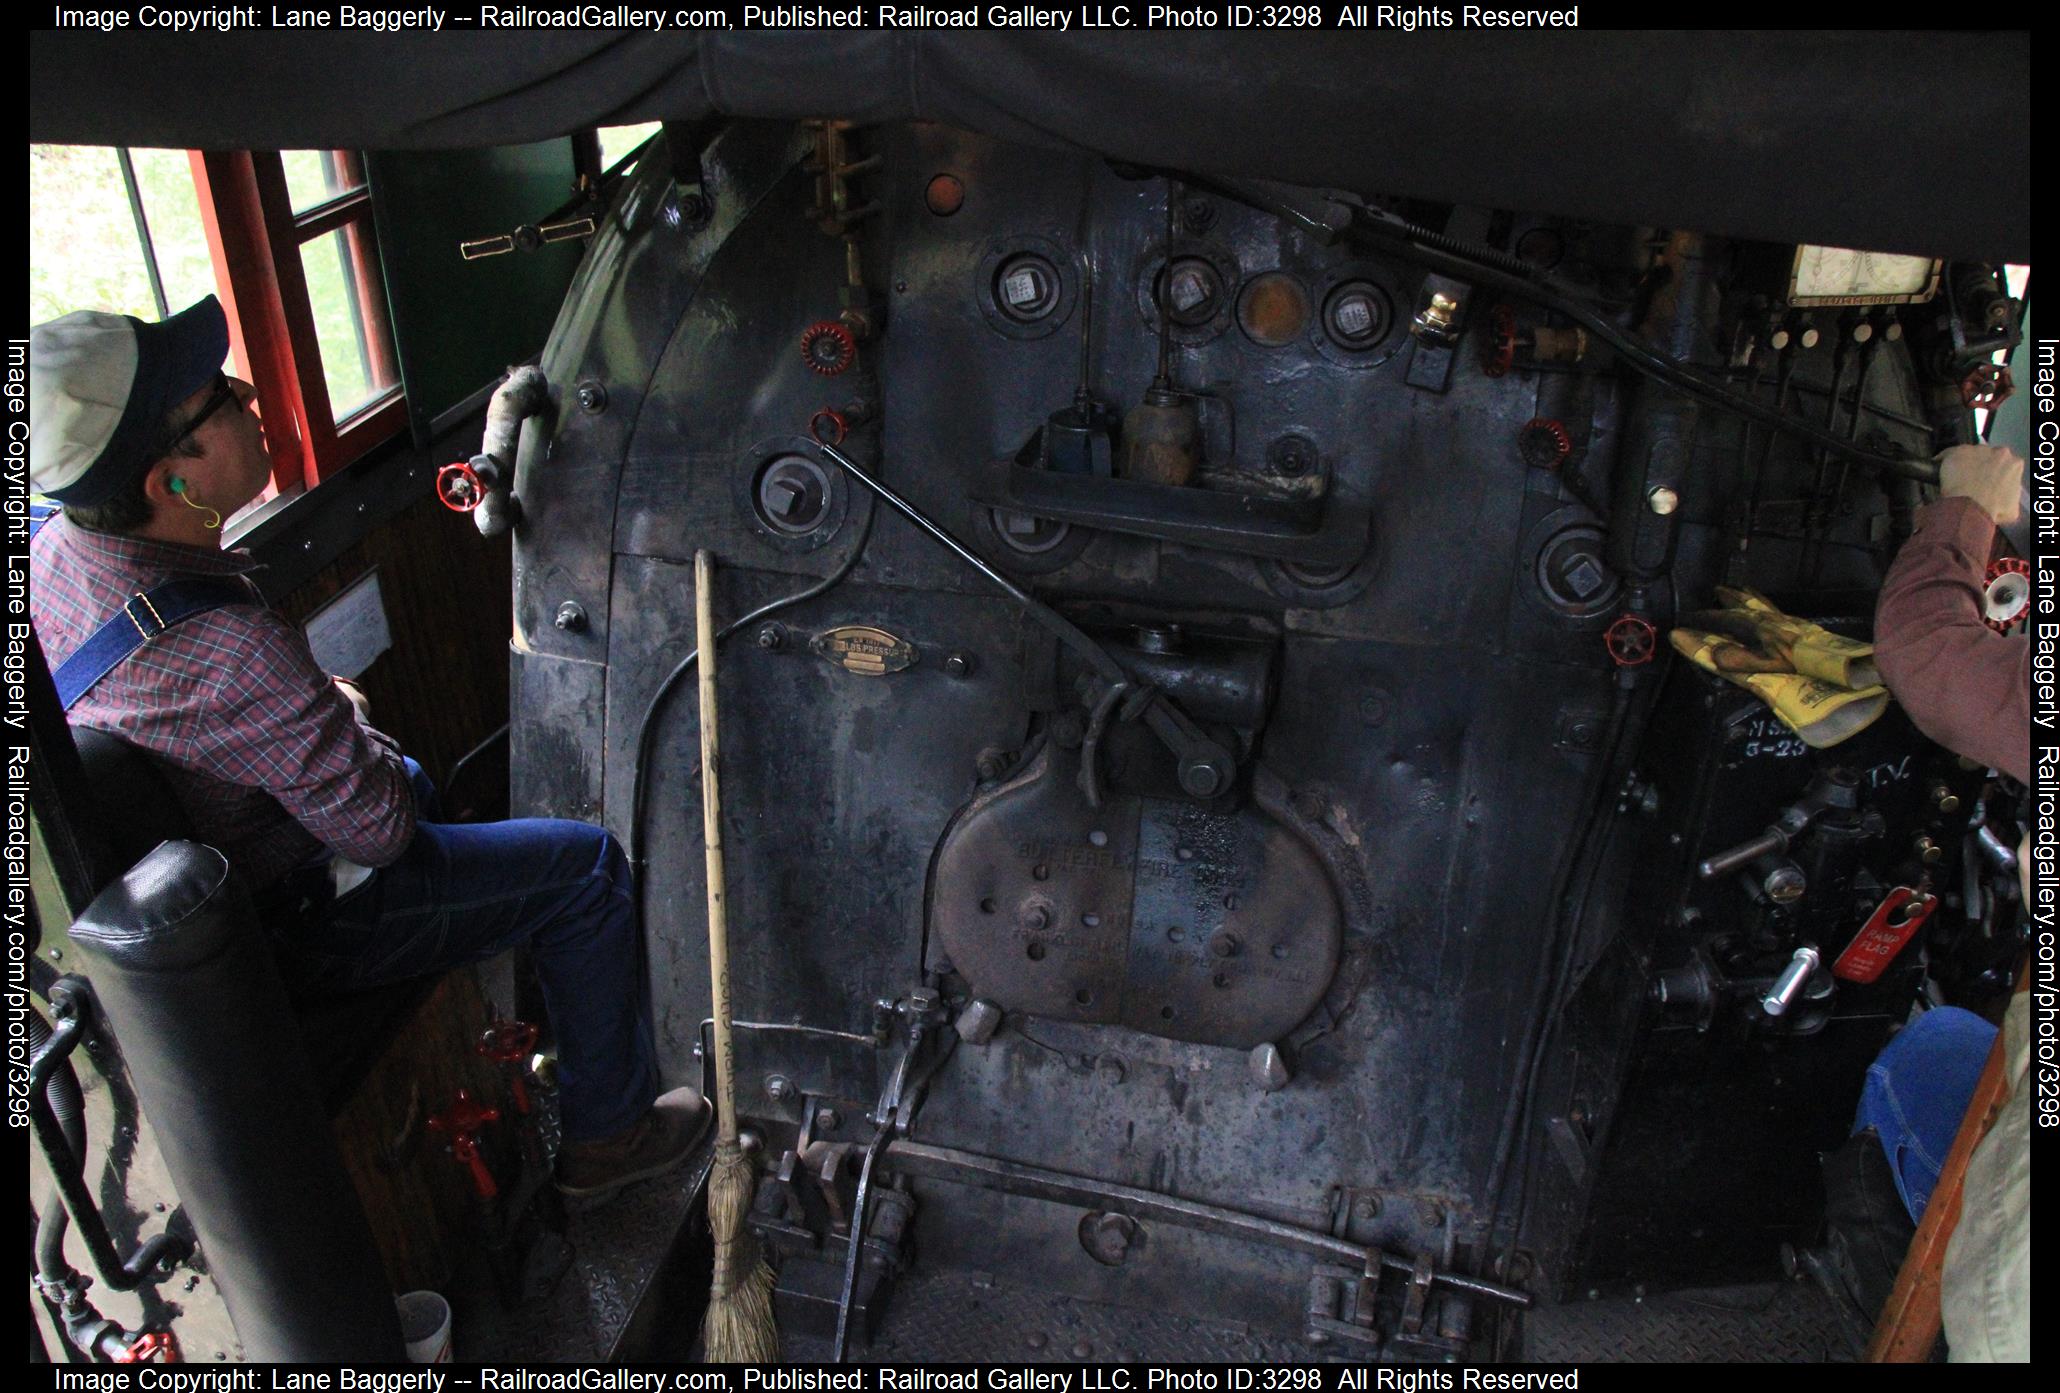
x,y
1833,789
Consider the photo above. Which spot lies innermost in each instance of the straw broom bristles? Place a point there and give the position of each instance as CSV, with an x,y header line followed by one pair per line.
x,y
738,1328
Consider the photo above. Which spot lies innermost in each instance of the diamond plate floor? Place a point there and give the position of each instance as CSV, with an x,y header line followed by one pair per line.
x,y
1774,1323
618,1248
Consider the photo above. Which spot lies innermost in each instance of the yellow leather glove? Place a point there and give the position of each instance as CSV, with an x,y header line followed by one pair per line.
x,y
1810,649
1820,712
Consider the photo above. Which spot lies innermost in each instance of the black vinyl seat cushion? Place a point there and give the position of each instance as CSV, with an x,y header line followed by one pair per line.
x,y
345,1034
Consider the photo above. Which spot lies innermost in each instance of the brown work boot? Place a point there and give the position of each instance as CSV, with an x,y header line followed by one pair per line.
x,y
659,1140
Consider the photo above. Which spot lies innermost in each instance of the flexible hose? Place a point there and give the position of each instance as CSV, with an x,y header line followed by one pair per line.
x,y
68,1104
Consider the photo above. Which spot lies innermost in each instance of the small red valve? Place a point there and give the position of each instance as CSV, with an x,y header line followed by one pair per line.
x,y
1544,443
828,347
2006,593
459,488
1498,345
1631,640
510,1043
461,1122
1986,387
829,427
152,1347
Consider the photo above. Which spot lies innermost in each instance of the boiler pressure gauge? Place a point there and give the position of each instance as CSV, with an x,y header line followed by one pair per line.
x,y
1842,276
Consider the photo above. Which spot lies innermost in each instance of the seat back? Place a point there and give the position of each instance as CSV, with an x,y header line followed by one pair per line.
x,y
134,805
137,810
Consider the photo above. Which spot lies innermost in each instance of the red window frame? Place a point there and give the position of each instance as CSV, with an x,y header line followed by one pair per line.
x,y
254,239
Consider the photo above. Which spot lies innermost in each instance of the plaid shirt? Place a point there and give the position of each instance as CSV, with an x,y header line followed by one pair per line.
x,y
266,756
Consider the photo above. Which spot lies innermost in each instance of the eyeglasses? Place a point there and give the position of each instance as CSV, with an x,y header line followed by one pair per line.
x,y
224,393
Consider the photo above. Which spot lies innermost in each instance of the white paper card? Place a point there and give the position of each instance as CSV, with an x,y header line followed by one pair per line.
x,y
350,631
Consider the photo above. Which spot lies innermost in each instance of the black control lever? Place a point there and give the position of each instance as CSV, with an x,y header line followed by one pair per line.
x,y
1206,767
1833,790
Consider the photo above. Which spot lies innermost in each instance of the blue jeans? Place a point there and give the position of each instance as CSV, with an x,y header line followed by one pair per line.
x,y
462,893
1916,1093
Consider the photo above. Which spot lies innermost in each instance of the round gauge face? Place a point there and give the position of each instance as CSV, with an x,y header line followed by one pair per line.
x,y
1841,275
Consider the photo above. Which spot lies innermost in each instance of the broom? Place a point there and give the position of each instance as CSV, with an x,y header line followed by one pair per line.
x,y
738,1328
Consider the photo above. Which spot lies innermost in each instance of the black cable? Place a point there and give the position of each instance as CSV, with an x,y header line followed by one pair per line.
x,y
1558,991
638,782
1565,930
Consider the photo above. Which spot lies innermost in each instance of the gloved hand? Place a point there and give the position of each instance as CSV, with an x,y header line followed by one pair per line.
x,y
1991,475
1820,685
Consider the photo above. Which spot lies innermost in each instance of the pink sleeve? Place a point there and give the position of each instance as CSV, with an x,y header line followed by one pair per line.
x,y
1965,686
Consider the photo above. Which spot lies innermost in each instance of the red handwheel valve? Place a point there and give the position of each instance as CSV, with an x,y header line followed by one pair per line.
x,y
461,1123
828,347
509,1043
829,427
152,1347
1498,346
1631,640
459,487
1544,443
1986,387
2006,593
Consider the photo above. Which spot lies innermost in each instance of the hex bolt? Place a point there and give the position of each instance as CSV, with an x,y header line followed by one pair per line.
x,y
1201,778
1369,1206
1292,455
1355,316
1223,944
958,665
593,397
571,617
1430,1213
827,1119
1024,286
778,1087
1191,290
772,638
1034,917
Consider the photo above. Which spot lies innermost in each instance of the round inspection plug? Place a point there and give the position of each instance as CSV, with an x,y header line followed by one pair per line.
x,y
1030,536
944,195
1274,309
793,495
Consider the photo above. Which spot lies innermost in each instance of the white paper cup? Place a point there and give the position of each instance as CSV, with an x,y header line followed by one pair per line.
x,y
426,1326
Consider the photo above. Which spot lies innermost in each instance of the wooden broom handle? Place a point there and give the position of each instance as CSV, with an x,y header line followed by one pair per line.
x,y
711,832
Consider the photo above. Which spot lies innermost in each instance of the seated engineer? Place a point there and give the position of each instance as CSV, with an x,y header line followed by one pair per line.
x,y
147,445
1969,689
